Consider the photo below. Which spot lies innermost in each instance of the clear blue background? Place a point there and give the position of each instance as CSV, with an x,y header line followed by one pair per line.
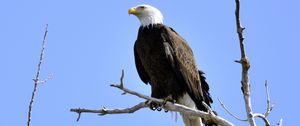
x,y
90,42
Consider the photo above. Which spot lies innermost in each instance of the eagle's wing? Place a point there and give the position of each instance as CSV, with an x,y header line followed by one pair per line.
x,y
140,69
180,57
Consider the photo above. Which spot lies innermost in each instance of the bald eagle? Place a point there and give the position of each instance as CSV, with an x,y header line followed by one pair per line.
x,y
165,61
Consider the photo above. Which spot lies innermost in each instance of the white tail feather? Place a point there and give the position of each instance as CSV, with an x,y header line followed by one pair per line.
x,y
189,120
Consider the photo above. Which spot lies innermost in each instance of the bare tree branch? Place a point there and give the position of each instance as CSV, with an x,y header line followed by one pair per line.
x,y
244,61
269,105
230,113
105,111
206,117
245,67
37,77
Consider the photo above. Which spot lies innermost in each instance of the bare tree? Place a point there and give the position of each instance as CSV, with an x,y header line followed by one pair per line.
x,y
206,116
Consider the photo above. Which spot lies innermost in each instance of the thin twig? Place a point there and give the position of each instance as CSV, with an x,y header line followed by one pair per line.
x,y
36,80
280,122
49,77
269,105
245,67
121,81
230,113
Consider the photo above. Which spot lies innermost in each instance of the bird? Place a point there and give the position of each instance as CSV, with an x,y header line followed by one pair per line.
x,y
164,60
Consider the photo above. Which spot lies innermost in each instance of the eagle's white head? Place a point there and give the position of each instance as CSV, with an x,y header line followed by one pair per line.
x,y
148,15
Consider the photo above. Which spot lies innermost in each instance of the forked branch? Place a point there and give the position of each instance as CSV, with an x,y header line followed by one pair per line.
x,y
244,61
207,117
105,111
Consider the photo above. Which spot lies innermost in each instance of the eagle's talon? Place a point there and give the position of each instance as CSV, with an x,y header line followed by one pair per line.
x,y
159,109
152,108
153,105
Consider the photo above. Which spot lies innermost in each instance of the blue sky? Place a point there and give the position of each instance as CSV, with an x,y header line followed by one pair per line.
x,y
90,42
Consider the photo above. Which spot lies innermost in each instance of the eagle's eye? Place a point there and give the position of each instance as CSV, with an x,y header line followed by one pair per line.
x,y
142,7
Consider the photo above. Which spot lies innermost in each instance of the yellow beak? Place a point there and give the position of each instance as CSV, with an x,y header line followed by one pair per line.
x,y
132,11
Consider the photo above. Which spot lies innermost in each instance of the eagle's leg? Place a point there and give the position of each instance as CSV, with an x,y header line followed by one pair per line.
x,y
168,99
